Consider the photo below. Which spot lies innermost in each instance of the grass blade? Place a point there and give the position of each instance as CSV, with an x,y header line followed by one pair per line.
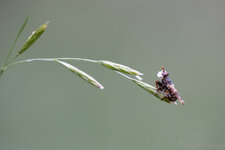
x,y
14,42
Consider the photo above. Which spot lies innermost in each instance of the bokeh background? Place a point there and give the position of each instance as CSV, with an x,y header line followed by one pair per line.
x,y
43,106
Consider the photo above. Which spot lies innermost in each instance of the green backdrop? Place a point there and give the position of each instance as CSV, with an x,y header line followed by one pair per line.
x,y
45,107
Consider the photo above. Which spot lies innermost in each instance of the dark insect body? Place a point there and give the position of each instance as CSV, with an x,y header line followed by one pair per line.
x,y
167,87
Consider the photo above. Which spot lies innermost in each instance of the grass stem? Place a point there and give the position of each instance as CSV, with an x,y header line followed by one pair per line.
x,y
14,43
48,59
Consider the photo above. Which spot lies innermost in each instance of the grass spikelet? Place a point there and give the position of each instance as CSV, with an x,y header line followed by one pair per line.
x,y
151,90
33,38
119,67
81,74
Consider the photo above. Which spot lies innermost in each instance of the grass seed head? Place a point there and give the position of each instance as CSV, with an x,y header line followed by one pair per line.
x,y
119,67
33,38
151,90
81,74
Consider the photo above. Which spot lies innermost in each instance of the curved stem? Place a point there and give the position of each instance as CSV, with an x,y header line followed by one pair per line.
x,y
48,59
81,59
125,76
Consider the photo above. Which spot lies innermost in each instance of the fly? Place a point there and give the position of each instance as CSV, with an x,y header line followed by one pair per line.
x,y
167,87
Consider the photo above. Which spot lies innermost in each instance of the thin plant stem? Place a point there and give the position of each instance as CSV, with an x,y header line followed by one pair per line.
x,y
125,76
14,43
49,59
80,59
11,60
7,62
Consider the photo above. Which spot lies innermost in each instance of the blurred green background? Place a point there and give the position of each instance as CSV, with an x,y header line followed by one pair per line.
x,y
45,107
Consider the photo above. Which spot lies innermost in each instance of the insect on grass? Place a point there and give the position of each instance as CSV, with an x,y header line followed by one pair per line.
x,y
167,87
164,90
